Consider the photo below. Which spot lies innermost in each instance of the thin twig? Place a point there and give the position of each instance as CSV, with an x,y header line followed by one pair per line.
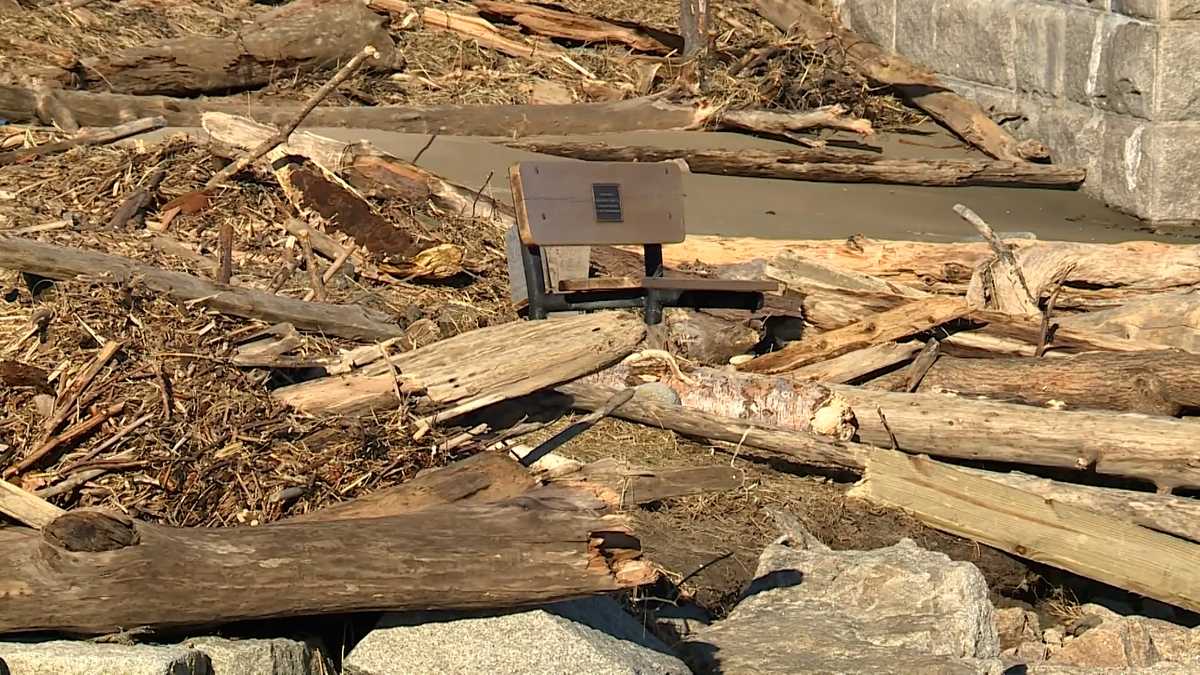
x,y
1003,251
1045,335
424,148
310,262
284,133
225,246
68,436
332,270
888,429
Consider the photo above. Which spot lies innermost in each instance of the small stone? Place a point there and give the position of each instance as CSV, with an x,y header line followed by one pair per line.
x,y
1130,642
657,392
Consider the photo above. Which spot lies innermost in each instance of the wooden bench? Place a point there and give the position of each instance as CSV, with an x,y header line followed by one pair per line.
x,y
562,203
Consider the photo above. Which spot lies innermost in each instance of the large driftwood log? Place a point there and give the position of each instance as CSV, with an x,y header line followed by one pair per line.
x,y
639,114
479,367
1154,383
824,165
544,546
299,37
1101,275
803,406
1159,450
59,262
1029,525
916,84
1169,319
799,446
1179,516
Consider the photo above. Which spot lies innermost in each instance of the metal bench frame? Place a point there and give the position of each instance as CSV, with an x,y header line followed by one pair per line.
x,y
655,292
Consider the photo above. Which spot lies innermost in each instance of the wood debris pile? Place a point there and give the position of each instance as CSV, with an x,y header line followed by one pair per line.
x,y
264,331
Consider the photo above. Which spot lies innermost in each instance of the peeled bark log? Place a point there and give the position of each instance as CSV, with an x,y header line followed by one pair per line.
x,y
1153,383
824,165
539,548
802,406
297,38
918,85
481,366
800,446
63,263
1160,450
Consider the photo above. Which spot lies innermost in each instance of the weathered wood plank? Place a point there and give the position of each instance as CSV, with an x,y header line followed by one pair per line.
x,y
1031,526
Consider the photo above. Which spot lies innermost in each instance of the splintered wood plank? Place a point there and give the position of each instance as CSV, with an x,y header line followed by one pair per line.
x,y
496,362
893,324
1096,546
26,508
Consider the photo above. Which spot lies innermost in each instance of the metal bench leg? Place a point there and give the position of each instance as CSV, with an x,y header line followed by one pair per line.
x,y
535,281
652,253
654,308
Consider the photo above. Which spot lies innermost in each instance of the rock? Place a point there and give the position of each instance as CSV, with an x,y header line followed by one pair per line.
x,y
1130,642
900,609
257,657
676,623
657,392
63,657
1025,653
1015,625
1053,636
594,635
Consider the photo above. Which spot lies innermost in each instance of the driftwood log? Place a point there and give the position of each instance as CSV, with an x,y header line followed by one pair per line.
x,y
638,114
1154,383
1169,319
579,28
906,320
824,165
1179,516
540,547
799,446
63,263
300,37
1093,545
479,367
1101,275
1159,450
918,85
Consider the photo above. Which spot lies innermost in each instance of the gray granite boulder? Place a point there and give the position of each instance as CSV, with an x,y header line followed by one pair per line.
x,y
64,657
257,657
900,609
594,636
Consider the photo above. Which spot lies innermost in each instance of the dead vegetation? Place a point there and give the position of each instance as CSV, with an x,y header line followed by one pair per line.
x,y
188,405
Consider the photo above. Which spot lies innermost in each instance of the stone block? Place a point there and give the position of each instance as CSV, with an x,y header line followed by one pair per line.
x,y
62,657
1074,133
916,33
1127,167
1179,85
1039,61
593,636
873,19
1158,9
257,657
1175,191
1109,62
976,40
1128,64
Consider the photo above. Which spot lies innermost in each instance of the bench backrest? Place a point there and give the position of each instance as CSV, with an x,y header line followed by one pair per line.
x,y
563,203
